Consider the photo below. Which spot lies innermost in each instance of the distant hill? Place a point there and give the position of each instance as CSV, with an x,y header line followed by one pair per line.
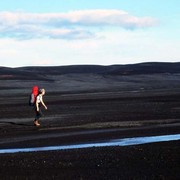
x,y
40,72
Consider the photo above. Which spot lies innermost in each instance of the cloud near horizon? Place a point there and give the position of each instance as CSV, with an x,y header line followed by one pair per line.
x,y
70,25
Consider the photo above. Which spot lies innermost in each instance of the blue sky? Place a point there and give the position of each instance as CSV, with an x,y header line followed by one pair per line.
x,y
68,32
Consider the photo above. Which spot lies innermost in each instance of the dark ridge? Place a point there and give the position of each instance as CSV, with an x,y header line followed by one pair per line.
x,y
145,68
18,73
42,72
73,69
130,69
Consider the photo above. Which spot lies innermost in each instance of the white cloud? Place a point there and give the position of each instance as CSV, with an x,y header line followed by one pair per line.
x,y
41,62
70,25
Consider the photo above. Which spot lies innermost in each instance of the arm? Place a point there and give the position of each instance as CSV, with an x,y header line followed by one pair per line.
x,y
43,104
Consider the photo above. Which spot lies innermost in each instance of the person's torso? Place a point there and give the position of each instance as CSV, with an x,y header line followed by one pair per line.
x,y
39,98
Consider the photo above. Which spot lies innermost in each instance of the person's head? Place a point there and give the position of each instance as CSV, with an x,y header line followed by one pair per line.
x,y
42,91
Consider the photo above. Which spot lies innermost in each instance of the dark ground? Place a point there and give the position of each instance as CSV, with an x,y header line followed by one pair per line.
x,y
151,161
92,108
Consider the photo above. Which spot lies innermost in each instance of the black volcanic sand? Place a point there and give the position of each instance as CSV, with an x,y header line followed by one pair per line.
x,y
151,161
90,116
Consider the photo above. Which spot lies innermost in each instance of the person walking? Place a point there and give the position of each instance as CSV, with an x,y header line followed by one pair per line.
x,y
38,103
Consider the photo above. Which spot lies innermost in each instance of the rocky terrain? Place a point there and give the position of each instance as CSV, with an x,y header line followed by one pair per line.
x,y
88,104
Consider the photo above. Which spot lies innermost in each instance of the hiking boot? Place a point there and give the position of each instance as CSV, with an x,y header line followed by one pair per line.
x,y
36,123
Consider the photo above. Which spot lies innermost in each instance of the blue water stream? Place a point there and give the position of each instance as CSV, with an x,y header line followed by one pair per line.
x,y
114,142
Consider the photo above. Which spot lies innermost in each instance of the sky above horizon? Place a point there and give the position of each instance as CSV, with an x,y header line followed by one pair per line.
x,y
103,32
